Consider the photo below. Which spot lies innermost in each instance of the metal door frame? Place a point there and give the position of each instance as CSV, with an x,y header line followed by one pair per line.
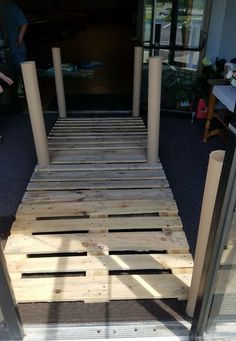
x,y
13,328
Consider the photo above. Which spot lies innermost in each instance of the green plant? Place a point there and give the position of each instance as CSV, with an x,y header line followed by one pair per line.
x,y
209,71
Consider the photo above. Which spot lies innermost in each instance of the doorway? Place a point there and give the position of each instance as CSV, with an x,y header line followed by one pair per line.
x,y
96,40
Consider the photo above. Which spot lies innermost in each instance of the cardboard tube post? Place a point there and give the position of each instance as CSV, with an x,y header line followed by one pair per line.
x,y
35,112
138,64
56,56
154,107
209,197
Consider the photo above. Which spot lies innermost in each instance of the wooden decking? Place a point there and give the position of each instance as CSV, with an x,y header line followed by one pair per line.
x,y
99,223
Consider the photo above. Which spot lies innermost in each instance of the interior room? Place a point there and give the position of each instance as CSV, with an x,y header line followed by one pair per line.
x,y
96,37
102,208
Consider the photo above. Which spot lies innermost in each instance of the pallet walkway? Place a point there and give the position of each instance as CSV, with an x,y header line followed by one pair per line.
x,y
99,223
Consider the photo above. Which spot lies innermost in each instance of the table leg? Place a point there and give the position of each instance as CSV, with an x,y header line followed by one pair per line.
x,y
210,115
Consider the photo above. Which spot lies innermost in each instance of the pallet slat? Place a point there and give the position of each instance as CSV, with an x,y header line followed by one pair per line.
x,y
24,265
97,208
98,175
79,185
40,196
94,224
126,155
98,166
80,242
115,287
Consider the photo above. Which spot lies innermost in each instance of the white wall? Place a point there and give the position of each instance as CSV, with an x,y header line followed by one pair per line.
x,y
228,37
215,29
221,41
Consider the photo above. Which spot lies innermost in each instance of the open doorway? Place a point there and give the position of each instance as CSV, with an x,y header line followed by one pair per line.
x,y
96,40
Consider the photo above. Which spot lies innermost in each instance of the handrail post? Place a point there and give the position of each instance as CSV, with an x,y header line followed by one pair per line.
x,y
209,197
154,108
137,81
35,112
56,56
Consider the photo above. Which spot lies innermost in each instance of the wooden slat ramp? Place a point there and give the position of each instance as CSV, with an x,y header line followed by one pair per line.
x,y
99,223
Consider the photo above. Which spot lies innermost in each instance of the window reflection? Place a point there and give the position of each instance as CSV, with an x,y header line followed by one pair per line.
x,y
189,23
222,318
1,320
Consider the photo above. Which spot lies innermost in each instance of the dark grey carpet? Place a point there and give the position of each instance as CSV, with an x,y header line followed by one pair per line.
x,y
17,161
184,157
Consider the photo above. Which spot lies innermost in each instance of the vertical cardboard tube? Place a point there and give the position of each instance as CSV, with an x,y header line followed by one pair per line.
x,y
35,112
209,197
138,65
56,56
154,108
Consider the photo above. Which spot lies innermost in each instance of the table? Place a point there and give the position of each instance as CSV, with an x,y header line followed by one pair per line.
x,y
221,105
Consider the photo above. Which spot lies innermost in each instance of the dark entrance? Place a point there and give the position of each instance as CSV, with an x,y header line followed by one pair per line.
x,y
97,38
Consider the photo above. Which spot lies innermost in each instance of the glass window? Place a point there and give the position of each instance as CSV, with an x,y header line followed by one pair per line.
x,y
188,59
189,23
1,320
222,318
148,20
163,21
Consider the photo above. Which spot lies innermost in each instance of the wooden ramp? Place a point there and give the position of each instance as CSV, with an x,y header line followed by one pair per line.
x,y
99,223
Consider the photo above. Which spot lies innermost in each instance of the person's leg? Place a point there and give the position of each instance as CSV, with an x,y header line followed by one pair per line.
x,y
18,56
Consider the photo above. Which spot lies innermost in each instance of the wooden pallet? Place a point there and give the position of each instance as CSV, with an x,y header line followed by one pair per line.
x,y
99,223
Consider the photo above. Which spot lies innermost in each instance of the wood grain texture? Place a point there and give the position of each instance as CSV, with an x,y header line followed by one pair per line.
x,y
99,223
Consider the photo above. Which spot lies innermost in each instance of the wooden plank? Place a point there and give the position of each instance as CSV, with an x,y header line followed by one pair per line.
x,y
102,153
95,131
97,127
94,141
90,156
92,195
112,287
83,242
98,166
110,119
99,133
101,125
97,139
99,175
97,146
148,286
24,265
96,224
112,184
97,208
99,122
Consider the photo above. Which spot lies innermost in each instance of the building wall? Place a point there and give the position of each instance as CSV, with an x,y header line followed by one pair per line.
x,y
222,30
215,29
228,37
